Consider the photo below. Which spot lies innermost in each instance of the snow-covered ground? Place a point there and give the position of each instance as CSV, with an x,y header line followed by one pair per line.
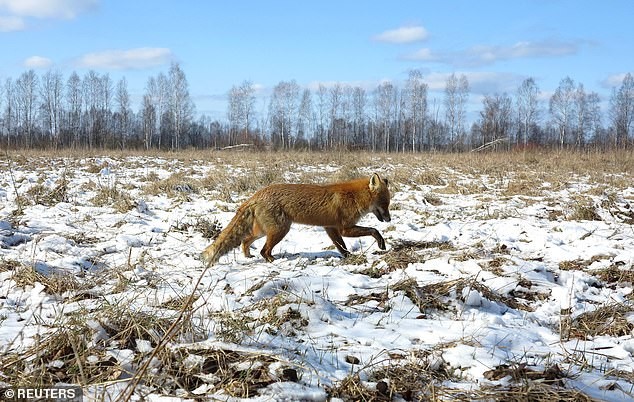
x,y
482,289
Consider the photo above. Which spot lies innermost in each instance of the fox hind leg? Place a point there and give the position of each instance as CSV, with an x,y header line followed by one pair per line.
x,y
256,233
246,244
273,237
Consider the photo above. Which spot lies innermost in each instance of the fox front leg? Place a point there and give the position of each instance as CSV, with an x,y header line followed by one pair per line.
x,y
358,231
336,238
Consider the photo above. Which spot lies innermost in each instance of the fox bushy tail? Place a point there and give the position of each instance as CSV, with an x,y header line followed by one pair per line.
x,y
232,235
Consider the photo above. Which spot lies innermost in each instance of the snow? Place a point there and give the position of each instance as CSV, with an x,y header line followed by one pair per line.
x,y
298,311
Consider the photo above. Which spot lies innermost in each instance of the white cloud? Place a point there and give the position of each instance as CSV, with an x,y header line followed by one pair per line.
x,y
490,54
406,34
424,54
139,58
62,9
37,62
11,24
614,81
480,82
480,55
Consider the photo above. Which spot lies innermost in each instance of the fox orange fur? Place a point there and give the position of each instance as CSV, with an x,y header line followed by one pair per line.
x,y
337,207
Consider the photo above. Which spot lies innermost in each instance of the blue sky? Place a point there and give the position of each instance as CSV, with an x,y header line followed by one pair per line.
x,y
496,44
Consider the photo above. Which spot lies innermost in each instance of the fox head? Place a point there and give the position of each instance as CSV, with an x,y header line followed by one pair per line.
x,y
381,198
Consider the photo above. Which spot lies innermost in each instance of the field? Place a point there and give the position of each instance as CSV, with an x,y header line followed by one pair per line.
x,y
507,277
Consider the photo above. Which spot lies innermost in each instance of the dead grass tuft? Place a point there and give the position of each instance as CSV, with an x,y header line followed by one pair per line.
x,y
426,298
43,195
65,355
580,264
179,184
209,229
414,379
400,255
82,238
111,196
436,296
584,210
351,388
533,391
126,327
10,265
522,373
238,374
24,275
430,178
608,320
616,274
354,259
523,184
380,298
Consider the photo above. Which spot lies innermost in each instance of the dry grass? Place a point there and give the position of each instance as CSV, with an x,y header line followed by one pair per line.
x,y
111,196
43,195
616,274
24,275
611,320
68,352
177,185
399,256
209,229
533,391
583,209
439,296
238,374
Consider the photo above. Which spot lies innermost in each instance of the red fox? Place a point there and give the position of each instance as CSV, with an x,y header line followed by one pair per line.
x,y
337,207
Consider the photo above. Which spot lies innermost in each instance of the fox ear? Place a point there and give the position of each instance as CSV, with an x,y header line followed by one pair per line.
x,y
375,182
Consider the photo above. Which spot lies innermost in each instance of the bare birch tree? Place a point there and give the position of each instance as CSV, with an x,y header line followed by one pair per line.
x,y
416,106
304,120
335,99
527,107
385,105
74,104
91,93
180,104
594,116
358,105
123,111
322,106
148,118
622,111
26,93
562,108
456,96
582,116
106,96
241,106
283,112
157,91
495,119
51,94
10,118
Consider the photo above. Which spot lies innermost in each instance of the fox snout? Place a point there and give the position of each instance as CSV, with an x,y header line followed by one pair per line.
x,y
382,215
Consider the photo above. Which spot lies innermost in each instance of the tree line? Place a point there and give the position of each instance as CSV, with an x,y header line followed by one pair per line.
x,y
93,112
